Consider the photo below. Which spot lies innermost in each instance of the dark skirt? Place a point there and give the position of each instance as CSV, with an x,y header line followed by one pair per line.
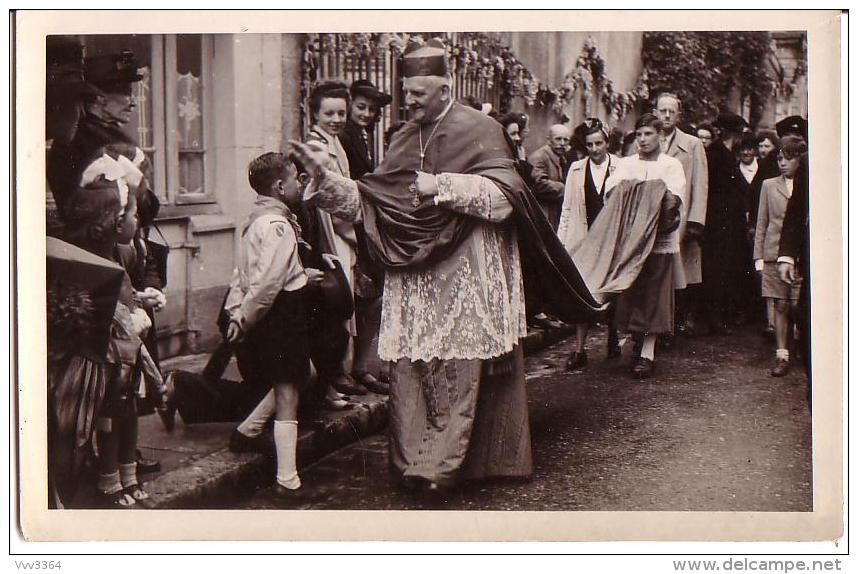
x,y
648,305
277,348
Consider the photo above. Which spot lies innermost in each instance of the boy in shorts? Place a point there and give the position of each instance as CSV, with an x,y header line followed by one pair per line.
x,y
774,197
266,303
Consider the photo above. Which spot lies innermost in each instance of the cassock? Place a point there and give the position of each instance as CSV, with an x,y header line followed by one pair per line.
x,y
453,302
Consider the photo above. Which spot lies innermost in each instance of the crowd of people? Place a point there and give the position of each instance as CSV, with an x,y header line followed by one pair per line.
x,y
736,188
435,261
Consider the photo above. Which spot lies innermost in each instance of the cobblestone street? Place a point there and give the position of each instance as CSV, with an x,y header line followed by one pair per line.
x,y
712,431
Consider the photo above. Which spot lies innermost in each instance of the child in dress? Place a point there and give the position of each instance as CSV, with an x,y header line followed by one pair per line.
x,y
774,197
98,218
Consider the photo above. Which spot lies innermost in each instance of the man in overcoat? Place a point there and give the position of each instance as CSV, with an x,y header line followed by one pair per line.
x,y
725,235
691,154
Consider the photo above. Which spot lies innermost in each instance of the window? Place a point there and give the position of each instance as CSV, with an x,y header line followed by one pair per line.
x,y
172,120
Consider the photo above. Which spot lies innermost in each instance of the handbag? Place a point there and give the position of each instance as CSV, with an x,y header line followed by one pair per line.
x,y
159,253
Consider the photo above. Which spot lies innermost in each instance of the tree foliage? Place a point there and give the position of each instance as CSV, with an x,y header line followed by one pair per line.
x,y
704,69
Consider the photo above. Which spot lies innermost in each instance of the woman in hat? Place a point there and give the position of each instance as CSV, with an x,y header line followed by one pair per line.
x,y
358,137
358,140
515,125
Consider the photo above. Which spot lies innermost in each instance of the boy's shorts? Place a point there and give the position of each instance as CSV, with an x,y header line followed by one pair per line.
x,y
277,349
774,288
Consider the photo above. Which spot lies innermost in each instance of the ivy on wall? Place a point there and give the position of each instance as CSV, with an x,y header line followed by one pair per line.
x,y
704,69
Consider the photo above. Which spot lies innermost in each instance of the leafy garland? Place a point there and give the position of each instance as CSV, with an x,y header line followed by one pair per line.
x,y
476,55
480,56
590,74
703,68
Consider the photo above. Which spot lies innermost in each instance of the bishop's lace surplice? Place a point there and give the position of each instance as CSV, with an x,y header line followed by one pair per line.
x,y
468,306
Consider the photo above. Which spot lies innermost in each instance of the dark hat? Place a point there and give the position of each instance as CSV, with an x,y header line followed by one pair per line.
x,y
65,67
367,89
731,122
587,127
792,125
513,118
113,73
429,59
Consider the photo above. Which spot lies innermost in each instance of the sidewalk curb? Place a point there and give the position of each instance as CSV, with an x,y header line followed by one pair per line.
x,y
215,480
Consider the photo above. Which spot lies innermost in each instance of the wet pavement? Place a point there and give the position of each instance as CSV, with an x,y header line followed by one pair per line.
x,y
711,431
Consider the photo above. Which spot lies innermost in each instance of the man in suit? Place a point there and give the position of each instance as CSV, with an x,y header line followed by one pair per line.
x,y
549,172
691,154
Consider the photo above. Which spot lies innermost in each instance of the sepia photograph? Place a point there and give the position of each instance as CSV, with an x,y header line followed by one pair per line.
x,y
555,270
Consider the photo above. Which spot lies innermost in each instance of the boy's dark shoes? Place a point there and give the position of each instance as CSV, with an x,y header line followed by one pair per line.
x,y
282,493
667,341
577,360
347,385
781,368
643,368
146,465
240,442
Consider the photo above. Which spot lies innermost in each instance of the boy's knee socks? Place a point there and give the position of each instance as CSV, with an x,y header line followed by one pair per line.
x,y
286,443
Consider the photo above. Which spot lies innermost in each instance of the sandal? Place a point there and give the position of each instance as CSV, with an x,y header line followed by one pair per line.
x,y
119,499
139,496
